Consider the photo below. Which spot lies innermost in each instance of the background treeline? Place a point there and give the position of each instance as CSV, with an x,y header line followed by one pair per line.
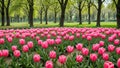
x,y
59,11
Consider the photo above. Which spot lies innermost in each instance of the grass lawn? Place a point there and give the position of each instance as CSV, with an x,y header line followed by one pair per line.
x,y
51,24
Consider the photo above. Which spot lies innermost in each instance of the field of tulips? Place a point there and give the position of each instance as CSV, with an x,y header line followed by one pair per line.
x,y
60,48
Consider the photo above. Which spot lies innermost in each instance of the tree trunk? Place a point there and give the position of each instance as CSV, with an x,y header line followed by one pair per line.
x,y
41,16
99,13
3,14
7,17
108,16
118,14
80,13
63,8
89,21
46,14
55,17
62,17
31,13
80,17
70,15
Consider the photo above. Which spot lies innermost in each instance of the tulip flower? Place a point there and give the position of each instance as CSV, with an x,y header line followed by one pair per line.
x,y
30,44
118,50
36,58
14,48
79,46
105,56
108,64
62,59
52,54
118,63
17,53
49,64
21,41
5,53
79,58
111,48
70,49
101,50
85,51
25,48
93,57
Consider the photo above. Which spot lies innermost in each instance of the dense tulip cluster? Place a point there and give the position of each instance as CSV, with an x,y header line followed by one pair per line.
x,y
60,47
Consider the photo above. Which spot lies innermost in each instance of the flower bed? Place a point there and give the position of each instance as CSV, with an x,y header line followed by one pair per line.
x,y
60,47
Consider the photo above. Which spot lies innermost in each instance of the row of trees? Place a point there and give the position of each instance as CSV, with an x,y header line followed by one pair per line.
x,y
34,9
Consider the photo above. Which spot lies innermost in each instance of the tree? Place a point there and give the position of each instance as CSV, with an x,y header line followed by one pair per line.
x,y
63,4
40,9
2,12
7,12
31,10
89,7
80,6
56,10
117,4
99,7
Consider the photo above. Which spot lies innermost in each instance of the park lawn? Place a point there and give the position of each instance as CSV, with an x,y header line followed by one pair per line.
x,y
51,24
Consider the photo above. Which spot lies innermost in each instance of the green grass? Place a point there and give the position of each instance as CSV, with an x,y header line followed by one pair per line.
x,y
51,24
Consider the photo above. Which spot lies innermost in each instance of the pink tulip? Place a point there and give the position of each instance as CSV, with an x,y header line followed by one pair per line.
x,y
101,50
50,41
44,45
14,48
58,41
39,42
111,48
71,38
118,50
52,54
9,39
101,43
1,54
17,35
2,41
36,58
21,41
83,36
85,51
105,56
89,38
49,64
95,47
30,44
5,53
93,57
37,38
108,64
25,48
118,63
79,46
78,35
110,39
62,59
79,58
116,41
103,36
70,49
17,53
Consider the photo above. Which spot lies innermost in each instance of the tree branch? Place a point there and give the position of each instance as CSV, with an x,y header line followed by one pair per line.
x,y
103,1
94,5
83,5
66,1
115,2
59,1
